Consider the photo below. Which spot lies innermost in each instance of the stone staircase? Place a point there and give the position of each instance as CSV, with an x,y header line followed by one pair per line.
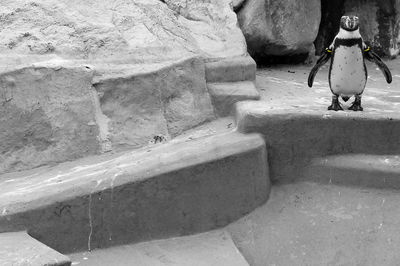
x,y
296,139
193,185
168,190
178,188
229,81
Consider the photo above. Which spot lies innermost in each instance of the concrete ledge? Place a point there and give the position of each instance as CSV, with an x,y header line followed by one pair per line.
x,y
294,137
231,69
225,95
171,189
214,248
377,171
19,249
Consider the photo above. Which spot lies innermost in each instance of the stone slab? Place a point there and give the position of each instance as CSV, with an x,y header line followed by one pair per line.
x,y
361,170
20,249
214,248
295,136
225,95
47,115
231,69
143,101
165,190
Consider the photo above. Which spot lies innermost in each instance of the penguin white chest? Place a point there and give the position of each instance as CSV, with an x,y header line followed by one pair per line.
x,y
348,72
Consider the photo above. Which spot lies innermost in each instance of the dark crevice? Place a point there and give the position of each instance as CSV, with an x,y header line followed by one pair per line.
x,y
331,11
274,60
239,7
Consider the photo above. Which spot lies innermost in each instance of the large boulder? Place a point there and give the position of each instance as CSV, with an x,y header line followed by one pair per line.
x,y
279,28
213,25
136,30
79,78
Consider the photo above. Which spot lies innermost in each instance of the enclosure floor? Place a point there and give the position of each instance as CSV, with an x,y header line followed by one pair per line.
x,y
312,224
285,87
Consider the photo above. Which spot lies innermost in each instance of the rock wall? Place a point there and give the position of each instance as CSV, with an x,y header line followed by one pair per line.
x,y
162,100
79,78
46,115
138,30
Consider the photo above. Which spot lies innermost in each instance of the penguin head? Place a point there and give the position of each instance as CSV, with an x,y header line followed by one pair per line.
x,y
349,23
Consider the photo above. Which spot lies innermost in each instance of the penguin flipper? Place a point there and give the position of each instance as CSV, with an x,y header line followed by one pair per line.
x,y
320,62
373,57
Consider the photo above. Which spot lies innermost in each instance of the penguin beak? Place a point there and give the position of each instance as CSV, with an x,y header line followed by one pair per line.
x,y
350,24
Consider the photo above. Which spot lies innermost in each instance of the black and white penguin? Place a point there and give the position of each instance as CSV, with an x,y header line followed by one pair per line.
x,y
347,72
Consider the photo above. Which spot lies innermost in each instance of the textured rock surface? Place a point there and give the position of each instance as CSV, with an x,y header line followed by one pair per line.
x,y
163,99
237,4
279,28
47,115
213,26
144,58
140,30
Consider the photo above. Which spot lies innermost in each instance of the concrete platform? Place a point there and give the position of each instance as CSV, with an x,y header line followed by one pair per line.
x,y
167,190
314,224
298,127
294,138
361,170
214,248
231,69
225,95
19,249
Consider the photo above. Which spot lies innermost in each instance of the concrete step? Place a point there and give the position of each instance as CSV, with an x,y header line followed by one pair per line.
x,y
208,249
294,136
231,69
378,171
165,190
20,249
225,95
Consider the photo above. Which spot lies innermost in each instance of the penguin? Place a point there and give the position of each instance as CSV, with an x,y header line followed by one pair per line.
x,y
347,71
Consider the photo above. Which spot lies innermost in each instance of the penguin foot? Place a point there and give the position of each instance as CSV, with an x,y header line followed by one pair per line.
x,y
356,107
335,107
